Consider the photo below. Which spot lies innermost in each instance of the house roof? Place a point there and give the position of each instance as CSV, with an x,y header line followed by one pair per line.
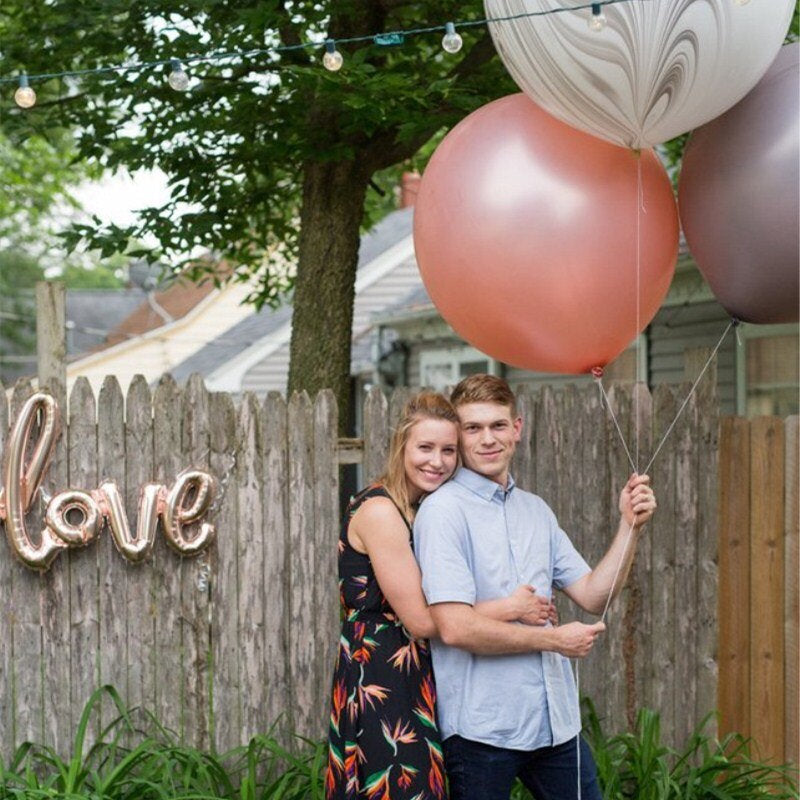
x,y
391,230
159,308
92,313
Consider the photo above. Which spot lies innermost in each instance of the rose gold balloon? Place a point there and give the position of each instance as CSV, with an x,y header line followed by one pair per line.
x,y
80,534
526,236
22,481
137,549
176,514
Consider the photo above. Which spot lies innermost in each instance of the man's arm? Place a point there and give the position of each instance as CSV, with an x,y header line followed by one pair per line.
x,y
636,504
461,626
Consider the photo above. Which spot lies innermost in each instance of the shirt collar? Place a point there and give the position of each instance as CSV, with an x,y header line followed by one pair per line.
x,y
481,485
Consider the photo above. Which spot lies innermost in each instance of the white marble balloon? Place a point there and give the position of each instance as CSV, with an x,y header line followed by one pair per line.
x,y
657,69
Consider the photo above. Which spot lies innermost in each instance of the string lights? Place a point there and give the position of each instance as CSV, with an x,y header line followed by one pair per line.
x,y
24,97
332,59
597,22
178,79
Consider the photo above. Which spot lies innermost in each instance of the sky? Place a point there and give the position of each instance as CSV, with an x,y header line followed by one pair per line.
x,y
114,198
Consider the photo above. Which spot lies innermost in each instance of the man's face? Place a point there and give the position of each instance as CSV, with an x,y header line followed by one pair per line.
x,y
489,436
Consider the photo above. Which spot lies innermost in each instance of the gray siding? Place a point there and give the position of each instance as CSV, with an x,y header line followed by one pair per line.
x,y
677,328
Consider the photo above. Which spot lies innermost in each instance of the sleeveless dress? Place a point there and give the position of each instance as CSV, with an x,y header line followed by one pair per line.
x,y
383,739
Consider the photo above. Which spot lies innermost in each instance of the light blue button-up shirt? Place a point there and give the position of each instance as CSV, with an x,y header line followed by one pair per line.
x,y
477,541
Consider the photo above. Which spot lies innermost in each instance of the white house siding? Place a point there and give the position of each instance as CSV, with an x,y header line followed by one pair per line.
x,y
158,351
272,372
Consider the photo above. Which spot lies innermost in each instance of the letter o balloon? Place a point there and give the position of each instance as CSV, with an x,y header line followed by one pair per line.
x,y
525,232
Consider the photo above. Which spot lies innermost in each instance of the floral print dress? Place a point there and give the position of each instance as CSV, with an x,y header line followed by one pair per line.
x,y
383,740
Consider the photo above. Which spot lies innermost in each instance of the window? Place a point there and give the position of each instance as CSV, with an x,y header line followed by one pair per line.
x,y
768,371
439,369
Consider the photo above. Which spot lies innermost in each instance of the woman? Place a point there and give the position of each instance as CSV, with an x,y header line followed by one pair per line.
x,y
383,736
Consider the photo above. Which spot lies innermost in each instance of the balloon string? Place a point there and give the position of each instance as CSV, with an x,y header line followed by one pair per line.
x,y
689,395
619,569
580,724
639,210
605,401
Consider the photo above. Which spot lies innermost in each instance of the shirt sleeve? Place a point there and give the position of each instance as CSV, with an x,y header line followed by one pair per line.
x,y
441,544
568,564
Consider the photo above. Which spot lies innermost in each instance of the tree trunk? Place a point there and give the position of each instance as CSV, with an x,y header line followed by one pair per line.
x,y
333,205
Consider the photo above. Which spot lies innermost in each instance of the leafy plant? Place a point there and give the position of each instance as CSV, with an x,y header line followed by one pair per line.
x,y
136,758
157,767
638,765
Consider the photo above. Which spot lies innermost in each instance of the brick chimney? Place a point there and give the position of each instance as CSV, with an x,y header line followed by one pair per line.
x,y
409,188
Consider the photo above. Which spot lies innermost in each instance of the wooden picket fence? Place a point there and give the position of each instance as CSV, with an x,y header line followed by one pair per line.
x,y
759,681
225,645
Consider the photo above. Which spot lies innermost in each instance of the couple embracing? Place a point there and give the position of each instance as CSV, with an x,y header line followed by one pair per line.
x,y
445,565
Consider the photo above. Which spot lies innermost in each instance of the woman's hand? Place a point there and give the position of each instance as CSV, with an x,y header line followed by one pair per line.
x,y
531,608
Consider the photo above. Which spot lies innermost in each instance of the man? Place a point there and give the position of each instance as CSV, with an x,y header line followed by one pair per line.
x,y
507,702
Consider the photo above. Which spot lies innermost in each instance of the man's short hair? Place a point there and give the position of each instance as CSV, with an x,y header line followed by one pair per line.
x,y
482,388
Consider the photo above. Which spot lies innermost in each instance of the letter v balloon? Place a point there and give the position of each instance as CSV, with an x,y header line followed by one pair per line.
x,y
533,240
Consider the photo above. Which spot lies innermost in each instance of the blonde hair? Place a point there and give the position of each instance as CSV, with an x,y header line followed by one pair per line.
x,y
482,388
424,405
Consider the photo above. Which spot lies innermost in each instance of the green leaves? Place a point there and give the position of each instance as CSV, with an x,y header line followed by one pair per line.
x,y
127,764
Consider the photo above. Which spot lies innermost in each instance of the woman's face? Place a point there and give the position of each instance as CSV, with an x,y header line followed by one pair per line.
x,y
430,455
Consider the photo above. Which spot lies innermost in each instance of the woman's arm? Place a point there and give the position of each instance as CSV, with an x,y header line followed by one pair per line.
x,y
378,530
522,605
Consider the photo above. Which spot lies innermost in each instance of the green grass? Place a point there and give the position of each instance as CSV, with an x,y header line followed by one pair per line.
x,y
135,758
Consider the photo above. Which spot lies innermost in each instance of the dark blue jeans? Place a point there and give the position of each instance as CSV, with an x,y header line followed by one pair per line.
x,y
479,771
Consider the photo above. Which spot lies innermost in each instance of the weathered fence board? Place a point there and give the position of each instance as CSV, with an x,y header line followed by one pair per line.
x,y
302,612
611,676
112,656
226,712
140,593
326,526
276,563
685,614
376,434
638,621
84,590
167,462
195,572
223,645
663,590
28,686
706,470
254,573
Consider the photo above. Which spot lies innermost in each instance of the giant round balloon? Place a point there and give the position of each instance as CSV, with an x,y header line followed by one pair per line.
x,y
738,198
659,67
526,236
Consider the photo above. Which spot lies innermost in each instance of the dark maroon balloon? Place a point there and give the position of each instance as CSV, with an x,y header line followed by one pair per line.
x,y
739,198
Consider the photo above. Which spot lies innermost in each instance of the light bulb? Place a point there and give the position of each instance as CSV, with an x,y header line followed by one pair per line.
x,y
24,97
178,79
451,41
741,2
598,19
332,60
